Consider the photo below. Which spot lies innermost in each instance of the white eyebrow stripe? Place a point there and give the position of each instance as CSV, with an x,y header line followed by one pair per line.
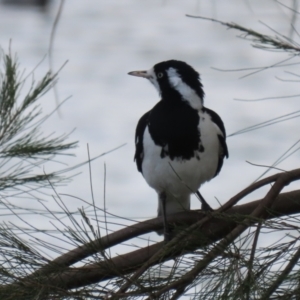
x,y
185,91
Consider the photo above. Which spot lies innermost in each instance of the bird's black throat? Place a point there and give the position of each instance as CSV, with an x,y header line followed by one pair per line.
x,y
174,127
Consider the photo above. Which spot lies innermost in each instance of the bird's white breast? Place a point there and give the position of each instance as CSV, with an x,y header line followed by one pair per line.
x,y
182,177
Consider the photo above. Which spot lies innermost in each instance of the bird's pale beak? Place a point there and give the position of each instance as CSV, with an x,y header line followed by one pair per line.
x,y
143,74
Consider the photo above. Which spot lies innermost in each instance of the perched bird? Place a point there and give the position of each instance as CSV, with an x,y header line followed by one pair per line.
x,y
180,144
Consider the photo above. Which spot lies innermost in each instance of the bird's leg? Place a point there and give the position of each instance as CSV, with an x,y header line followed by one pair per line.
x,y
205,206
163,199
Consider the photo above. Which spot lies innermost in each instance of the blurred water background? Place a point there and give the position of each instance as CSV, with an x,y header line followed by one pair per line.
x,y
103,40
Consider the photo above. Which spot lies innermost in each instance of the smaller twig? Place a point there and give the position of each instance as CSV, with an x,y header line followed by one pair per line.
x,y
104,204
249,279
51,43
260,39
98,233
282,276
289,116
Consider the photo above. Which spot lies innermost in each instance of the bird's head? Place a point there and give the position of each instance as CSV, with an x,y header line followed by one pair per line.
x,y
175,80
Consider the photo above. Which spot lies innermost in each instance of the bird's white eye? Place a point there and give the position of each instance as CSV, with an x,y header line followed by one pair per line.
x,y
160,75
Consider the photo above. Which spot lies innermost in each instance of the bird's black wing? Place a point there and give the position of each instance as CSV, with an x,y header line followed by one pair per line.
x,y
139,136
222,138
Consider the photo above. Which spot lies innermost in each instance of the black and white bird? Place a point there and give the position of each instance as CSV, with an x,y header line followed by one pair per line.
x,y
180,144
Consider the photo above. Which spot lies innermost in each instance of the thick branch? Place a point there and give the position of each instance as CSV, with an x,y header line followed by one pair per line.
x,y
127,233
217,228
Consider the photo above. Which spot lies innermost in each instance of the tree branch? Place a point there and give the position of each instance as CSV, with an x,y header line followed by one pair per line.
x,y
224,226
285,204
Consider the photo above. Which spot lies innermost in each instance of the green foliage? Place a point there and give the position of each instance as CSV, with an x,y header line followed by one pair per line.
x,y
22,145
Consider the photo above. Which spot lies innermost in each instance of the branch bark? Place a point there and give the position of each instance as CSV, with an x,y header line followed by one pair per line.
x,y
218,225
217,228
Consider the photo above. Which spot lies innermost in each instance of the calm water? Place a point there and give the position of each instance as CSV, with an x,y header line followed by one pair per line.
x,y
104,40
